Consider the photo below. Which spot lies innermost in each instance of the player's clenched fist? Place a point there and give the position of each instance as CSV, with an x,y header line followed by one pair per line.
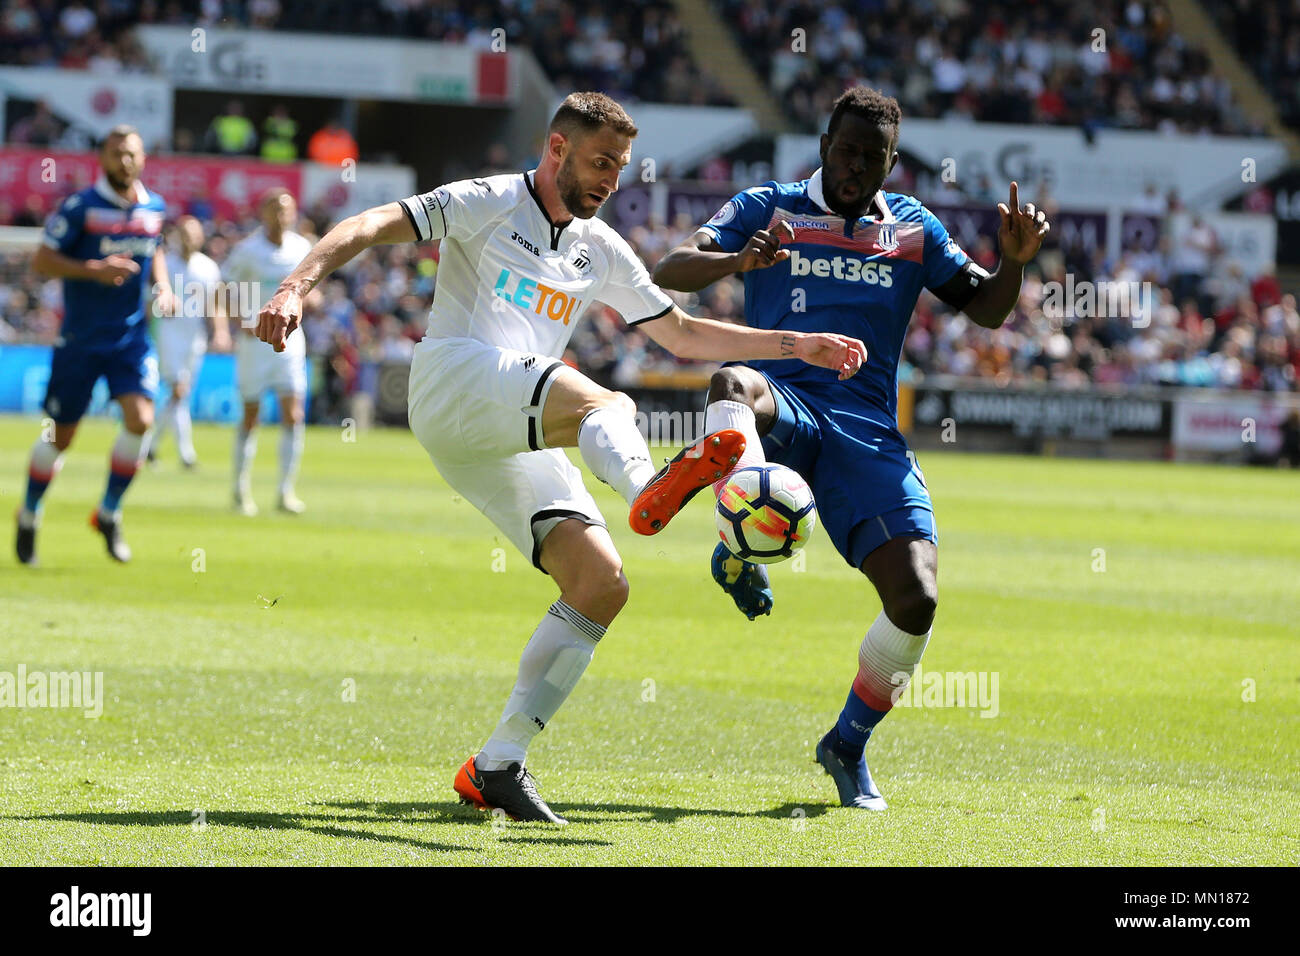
x,y
764,248
828,350
279,317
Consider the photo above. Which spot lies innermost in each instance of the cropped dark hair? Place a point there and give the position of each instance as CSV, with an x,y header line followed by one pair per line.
x,y
583,113
871,105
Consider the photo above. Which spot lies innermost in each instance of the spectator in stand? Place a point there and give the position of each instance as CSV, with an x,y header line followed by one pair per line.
x,y
1265,289
1289,453
1192,258
497,161
332,144
41,128
1151,202
231,133
33,212
279,135
76,20
199,205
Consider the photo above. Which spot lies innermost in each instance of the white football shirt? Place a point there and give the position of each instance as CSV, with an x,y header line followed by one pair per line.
x,y
261,266
510,277
193,281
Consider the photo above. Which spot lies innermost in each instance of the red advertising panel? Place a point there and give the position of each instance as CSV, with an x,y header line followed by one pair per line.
x,y
230,187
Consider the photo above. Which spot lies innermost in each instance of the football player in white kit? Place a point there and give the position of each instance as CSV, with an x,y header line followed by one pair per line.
x,y
258,264
183,337
521,258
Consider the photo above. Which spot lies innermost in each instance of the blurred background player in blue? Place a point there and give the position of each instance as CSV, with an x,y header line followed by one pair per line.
x,y
104,242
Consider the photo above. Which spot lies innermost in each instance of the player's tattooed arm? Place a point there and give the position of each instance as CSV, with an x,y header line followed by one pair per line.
x,y
708,340
377,226
700,261
1019,238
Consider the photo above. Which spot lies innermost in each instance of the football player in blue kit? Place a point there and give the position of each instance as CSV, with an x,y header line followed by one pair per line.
x,y
835,253
104,243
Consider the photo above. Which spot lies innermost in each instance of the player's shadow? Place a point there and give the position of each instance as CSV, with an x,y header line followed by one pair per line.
x,y
324,824
449,812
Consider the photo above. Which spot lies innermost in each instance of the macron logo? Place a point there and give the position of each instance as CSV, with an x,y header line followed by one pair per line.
x,y
103,909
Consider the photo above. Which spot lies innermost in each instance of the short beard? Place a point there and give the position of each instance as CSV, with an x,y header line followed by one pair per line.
x,y
120,183
847,213
570,190
844,212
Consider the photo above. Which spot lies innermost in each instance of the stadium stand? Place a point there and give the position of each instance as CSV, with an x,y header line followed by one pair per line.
x,y
1211,325
1266,35
632,50
998,61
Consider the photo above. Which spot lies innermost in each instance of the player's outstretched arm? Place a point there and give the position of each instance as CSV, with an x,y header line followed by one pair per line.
x,y
1019,238
688,337
381,225
111,270
700,261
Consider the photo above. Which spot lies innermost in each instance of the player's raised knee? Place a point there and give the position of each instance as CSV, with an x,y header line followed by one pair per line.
x,y
728,385
620,401
914,607
601,596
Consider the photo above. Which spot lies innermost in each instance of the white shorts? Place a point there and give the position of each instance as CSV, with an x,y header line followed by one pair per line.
x,y
477,411
182,342
260,367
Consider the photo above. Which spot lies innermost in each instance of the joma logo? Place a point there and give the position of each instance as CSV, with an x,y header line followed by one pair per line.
x,y
525,243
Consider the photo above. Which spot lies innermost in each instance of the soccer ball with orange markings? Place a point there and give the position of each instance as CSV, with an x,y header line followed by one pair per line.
x,y
765,513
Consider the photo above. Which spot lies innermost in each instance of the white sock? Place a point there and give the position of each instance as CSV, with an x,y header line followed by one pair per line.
x,y
554,660
179,414
167,421
887,659
245,452
123,461
46,460
291,440
737,415
615,451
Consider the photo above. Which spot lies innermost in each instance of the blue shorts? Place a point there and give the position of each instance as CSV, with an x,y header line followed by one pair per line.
x,y
867,484
129,367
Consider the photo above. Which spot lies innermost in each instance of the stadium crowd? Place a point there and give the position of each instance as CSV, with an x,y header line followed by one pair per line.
x,y
1266,35
633,49
1112,63
1208,323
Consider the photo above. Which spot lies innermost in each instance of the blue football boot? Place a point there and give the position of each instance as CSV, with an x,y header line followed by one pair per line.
x,y
852,780
745,581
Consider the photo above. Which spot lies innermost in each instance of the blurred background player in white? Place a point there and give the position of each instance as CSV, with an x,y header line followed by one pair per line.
x,y
183,336
258,265
522,255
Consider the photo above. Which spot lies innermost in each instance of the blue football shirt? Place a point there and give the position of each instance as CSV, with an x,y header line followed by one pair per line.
x,y
94,223
859,278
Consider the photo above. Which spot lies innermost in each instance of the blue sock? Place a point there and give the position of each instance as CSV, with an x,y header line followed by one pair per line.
x,y
35,492
854,727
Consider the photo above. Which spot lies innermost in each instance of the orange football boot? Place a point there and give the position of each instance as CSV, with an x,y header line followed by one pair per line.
x,y
710,459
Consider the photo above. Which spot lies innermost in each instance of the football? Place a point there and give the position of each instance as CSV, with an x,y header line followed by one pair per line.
x,y
765,513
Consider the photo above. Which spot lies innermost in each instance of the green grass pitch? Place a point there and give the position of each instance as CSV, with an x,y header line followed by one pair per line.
x,y
1148,713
